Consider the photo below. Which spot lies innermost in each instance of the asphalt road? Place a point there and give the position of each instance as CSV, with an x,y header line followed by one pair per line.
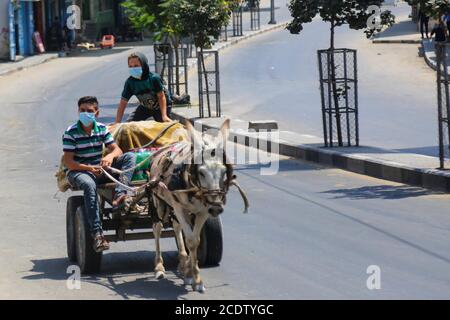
x,y
276,76
312,232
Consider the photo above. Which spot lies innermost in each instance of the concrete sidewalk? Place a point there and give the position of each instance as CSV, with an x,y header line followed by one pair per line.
x,y
9,67
403,31
408,168
429,54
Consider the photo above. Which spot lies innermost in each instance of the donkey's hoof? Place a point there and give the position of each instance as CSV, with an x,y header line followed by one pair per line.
x,y
200,287
188,281
160,275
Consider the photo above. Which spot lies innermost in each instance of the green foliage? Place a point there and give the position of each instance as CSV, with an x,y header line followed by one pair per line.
x,y
178,18
143,14
234,4
204,19
433,8
338,12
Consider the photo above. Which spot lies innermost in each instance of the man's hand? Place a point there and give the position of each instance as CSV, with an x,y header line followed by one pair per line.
x,y
96,170
107,161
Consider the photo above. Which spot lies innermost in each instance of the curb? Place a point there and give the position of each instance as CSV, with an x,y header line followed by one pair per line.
x,y
235,41
13,70
398,41
427,58
254,34
387,170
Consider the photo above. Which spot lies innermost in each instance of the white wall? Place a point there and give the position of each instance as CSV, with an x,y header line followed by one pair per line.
x,y
4,30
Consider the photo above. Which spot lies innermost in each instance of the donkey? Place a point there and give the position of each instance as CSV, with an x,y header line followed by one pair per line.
x,y
206,176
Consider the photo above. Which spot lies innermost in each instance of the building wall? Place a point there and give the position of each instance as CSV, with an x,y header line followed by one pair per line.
x,y
4,30
104,15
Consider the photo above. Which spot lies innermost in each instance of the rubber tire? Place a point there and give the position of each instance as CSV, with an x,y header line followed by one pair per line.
x,y
212,233
210,249
72,204
88,260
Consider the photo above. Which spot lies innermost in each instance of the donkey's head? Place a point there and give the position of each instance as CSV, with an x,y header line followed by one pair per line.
x,y
209,170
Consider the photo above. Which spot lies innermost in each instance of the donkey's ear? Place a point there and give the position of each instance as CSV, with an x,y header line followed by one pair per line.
x,y
225,130
196,138
188,126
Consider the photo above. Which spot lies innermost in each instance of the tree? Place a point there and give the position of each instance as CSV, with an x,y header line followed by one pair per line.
x,y
234,4
354,13
162,18
204,19
433,8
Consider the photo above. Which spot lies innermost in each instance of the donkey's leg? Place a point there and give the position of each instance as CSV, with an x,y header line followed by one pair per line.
x,y
188,233
193,243
182,254
159,263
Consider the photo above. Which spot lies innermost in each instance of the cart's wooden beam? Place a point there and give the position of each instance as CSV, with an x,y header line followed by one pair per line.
x,y
139,236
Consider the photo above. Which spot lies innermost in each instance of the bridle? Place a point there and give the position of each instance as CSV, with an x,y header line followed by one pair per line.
x,y
194,189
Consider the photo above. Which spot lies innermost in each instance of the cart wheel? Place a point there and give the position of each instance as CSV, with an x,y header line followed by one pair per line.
x,y
72,204
211,243
89,261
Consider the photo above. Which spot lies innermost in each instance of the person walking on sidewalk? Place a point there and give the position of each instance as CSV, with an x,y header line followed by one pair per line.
x,y
424,21
154,99
446,19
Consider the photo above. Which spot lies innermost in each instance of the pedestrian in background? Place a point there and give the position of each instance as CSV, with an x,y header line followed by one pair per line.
x,y
424,21
56,35
446,19
440,32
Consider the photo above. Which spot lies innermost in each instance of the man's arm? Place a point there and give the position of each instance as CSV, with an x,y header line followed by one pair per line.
x,y
121,110
114,152
73,165
163,106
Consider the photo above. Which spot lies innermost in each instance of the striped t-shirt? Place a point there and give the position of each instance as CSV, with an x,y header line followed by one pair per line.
x,y
88,149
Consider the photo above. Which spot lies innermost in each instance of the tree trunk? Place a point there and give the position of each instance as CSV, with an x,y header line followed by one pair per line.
x,y
206,82
332,75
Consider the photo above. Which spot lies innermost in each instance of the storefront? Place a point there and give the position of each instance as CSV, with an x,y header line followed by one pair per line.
x,y
4,30
20,28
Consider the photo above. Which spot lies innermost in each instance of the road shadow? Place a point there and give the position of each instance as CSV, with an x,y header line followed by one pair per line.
x,y
432,151
96,52
385,192
115,267
402,28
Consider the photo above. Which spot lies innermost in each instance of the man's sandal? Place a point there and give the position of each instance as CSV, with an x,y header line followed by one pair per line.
x,y
100,243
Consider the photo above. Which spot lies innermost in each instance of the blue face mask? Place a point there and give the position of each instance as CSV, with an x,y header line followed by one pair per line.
x,y
87,118
136,72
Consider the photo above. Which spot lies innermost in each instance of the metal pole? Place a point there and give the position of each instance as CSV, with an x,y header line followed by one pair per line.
x,y
440,116
272,12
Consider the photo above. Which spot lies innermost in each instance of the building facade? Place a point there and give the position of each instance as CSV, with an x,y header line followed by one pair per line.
x,y
20,19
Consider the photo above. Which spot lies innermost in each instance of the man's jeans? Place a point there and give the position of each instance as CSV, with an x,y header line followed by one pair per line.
x,y
88,182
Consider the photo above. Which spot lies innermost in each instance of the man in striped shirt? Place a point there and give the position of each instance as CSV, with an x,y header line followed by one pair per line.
x,y
83,156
